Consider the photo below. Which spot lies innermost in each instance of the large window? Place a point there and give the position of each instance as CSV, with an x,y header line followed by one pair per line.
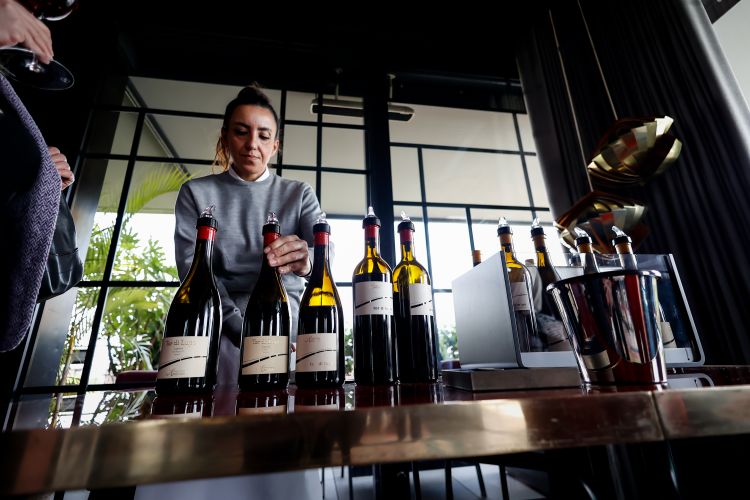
x,y
455,172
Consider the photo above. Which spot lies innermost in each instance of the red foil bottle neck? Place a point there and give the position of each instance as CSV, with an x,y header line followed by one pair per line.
x,y
269,238
321,238
206,233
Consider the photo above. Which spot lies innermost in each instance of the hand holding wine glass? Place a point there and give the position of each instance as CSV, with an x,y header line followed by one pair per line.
x,y
19,26
20,23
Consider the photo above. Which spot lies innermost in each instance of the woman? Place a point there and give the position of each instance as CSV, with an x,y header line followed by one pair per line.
x,y
244,192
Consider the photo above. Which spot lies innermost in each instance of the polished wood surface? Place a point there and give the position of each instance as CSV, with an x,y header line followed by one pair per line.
x,y
262,432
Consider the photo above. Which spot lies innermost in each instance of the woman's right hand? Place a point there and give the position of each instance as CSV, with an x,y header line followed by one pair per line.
x,y
18,25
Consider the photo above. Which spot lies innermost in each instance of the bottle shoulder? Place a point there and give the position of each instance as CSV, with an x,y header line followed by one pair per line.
x,y
411,272
372,268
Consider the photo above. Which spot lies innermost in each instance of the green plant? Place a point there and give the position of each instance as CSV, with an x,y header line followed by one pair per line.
x,y
133,317
448,343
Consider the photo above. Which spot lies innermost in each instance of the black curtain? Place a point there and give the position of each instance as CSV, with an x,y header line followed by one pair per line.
x,y
657,58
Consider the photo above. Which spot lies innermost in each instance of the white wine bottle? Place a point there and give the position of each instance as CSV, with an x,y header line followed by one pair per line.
x,y
586,252
264,350
415,316
548,320
374,343
520,287
189,351
320,336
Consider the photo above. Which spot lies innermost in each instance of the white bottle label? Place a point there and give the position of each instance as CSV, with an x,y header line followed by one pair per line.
x,y
316,352
373,297
183,357
420,299
261,355
520,297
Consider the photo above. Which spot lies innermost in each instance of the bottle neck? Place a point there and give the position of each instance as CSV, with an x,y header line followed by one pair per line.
x,y
627,257
320,255
587,258
204,249
372,241
407,244
268,238
540,245
506,244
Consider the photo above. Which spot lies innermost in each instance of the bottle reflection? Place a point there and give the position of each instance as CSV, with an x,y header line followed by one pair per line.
x,y
314,400
369,396
417,394
182,407
263,403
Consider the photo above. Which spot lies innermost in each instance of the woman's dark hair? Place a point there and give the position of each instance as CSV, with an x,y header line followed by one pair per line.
x,y
250,95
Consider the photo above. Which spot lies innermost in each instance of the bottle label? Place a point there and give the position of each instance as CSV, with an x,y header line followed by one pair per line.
x,y
373,297
316,352
183,357
520,297
261,355
420,299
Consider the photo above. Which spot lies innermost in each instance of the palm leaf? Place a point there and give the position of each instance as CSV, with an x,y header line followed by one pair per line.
x,y
167,178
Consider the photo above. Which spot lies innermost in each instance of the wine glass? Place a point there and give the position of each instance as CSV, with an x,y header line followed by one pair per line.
x,y
22,65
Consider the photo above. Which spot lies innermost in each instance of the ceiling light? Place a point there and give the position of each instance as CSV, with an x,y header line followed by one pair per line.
x,y
342,107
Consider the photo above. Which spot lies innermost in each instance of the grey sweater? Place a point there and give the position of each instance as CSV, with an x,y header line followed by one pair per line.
x,y
241,210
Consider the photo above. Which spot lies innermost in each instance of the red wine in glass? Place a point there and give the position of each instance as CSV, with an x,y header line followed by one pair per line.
x,y
22,65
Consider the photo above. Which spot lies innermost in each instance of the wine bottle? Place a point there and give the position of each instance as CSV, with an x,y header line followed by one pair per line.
x,y
265,332
374,349
624,247
586,252
520,287
320,336
593,351
415,318
476,257
189,351
548,320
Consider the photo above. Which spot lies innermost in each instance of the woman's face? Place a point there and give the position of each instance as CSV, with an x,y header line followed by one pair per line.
x,y
250,139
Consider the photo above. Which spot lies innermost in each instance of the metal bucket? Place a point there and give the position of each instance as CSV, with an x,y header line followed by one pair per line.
x,y
611,320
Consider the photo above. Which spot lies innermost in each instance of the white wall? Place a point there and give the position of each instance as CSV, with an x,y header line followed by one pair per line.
x,y
733,31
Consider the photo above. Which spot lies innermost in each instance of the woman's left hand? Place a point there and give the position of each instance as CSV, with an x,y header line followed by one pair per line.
x,y
289,254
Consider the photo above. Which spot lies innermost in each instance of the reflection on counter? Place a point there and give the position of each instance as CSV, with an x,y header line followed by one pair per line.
x,y
368,396
314,400
262,403
182,407
419,394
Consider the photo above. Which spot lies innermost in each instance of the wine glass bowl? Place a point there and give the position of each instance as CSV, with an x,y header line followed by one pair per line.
x,y
22,65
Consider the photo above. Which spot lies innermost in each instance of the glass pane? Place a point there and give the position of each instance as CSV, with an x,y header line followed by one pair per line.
x,y
345,293
190,96
420,243
405,173
343,194
146,247
456,127
76,345
538,189
114,406
112,132
527,136
307,176
300,145
104,219
298,106
348,246
343,148
179,137
484,228
450,251
45,411
482,178
130,334
445,318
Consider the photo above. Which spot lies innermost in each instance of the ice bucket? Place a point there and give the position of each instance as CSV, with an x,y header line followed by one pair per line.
x,y
611,320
